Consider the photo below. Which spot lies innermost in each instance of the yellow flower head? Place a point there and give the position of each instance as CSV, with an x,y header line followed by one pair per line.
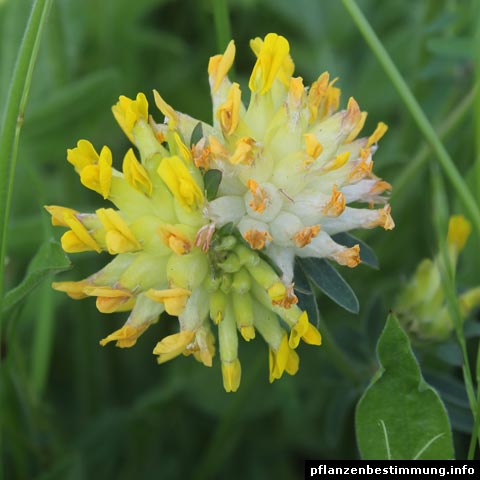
x,y
168,254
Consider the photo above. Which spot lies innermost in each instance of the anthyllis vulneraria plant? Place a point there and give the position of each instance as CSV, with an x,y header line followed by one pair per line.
x,y
421,305
194,211
290,162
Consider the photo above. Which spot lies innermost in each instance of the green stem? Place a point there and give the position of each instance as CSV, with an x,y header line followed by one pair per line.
x,y
416,111
222,23
13,119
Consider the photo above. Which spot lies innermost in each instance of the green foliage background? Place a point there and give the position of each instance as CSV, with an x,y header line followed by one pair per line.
x,y
71,409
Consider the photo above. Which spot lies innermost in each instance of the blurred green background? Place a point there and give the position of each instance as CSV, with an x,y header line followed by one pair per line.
x,y
71,409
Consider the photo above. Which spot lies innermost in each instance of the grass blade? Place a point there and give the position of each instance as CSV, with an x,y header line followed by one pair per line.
x,y
13,118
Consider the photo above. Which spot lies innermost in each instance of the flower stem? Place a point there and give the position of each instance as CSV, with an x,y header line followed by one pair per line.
x,y
222,23
416,111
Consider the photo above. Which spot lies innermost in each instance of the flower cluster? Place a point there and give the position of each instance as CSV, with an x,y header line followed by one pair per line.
x,y
287,167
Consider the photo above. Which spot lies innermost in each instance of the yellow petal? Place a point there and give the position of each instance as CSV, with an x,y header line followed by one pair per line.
x,y
106,291
174,299
72,244
175,239
316,95
312,335
78,236
219,65
82,155
114,304
377,134
98,176
74,290
89,177
293,362
279,359
339,161
244,151
105,172
58,214
247,332
166,109
173,345
277,291
231,372
135,174
176,176
126,336
228,113
118,238
296,92
116,243
273,61
128,112
459,229
331,101
354,119
313,147
298,330
183,150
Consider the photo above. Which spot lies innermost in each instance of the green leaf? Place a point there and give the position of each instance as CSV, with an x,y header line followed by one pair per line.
x,y
197,134
400,417
330,282
212,180
49,259
367,255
